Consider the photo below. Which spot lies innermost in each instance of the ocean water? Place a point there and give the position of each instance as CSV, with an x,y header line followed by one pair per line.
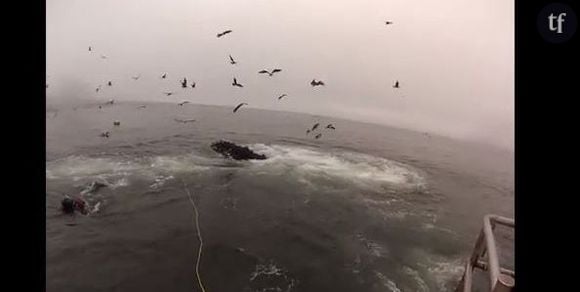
x,y
363,208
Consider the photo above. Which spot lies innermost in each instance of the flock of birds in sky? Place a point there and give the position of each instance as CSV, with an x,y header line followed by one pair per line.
x,y
235,83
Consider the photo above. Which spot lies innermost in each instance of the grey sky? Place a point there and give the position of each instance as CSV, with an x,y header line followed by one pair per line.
x,y
453,58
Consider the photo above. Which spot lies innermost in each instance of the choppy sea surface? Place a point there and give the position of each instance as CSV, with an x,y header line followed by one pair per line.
x,y
363,208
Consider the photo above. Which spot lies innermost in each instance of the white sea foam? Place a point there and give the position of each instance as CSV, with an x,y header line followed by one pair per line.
x,y
387,282
355,167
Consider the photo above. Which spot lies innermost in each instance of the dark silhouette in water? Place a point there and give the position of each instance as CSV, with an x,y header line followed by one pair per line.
x,y
184,83
69,206
396,84
116,123
235,83
232,61
315,126
110,83
105,134
231,150
281,96
330,126
316,83
317,136
168,93
90,49
182,103
192,84
239,106
164,76
136,77
307,131
219,35
388,22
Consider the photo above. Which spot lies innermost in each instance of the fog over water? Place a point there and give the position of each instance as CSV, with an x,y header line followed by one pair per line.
x,y
454,59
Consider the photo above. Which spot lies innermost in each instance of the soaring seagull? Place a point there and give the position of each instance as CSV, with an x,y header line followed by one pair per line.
x,y
239,106
270,73
330,126
281,96
396,84
183,102
185,121
316,83
232,61
236,83
223,33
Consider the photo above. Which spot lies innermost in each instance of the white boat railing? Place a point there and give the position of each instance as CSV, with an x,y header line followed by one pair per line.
x,y
501,279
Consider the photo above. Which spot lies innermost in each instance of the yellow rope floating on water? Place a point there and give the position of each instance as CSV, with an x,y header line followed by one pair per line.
x,y
198,236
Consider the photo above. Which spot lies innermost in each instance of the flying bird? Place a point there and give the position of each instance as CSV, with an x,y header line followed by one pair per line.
x,y
184,121
281,96
388,22
239,106
232,61
136,77
315,126
223,33
236,83
168,93
184,83
330,126
316,83
396,84
270,73
317,136
164,76
183,102
110,83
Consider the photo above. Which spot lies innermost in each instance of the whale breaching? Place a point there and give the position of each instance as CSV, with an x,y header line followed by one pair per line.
x,y
235,83
270,73
316,83
239,106
219,35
